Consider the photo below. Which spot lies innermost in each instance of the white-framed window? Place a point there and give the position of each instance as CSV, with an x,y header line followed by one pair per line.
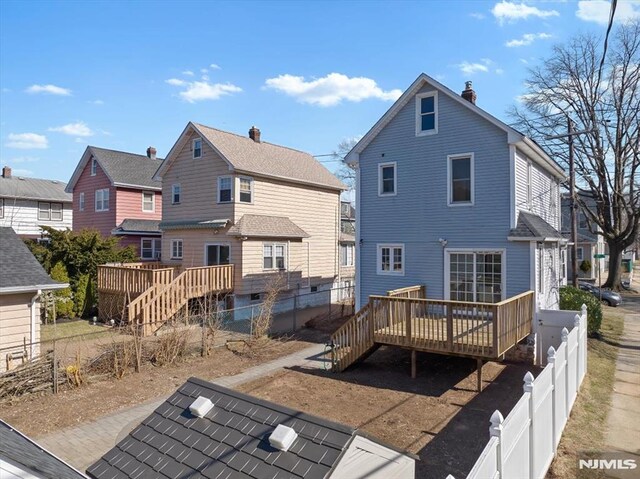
x,y
387,179
1,207
225,189
347,254
217,254
427,113
273,255
176,194
94,166
102,200
148,201
460,179
176,249
580,253
475,276
541,269
246,190
563,263
49,211
196,147
81,201
150,248
390,259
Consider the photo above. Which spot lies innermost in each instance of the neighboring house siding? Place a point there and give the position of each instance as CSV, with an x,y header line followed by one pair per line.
x,y
128,203
103,221
419,215
15,324
22,216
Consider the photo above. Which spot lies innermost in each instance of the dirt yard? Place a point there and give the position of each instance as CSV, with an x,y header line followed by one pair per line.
x,y
439,415
41,415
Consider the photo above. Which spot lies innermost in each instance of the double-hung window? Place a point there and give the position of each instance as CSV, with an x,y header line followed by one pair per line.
x,y
148,201
246,190
218,254
580,253
94,166
81,201
387,179
475,276
176,193
460,188
427,113
102,200
196,147
273,256
346,254
150,248
225,189
391,259
49,211
176,249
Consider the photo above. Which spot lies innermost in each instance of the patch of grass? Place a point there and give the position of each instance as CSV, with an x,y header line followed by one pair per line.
x,y
586,428
70,328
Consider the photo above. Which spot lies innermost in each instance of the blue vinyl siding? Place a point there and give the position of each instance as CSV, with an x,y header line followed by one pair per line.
x,y
418,215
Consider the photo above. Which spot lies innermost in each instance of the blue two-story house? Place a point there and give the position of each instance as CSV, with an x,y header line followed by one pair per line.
x,y
452,198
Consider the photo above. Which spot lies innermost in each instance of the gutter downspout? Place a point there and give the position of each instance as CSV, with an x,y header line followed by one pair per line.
x,y
32,329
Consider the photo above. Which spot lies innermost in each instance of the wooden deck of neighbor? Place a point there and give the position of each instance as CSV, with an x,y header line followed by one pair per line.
x,y
406,319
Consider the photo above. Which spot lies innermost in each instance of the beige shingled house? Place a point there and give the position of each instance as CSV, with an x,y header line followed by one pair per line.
x,y
267,209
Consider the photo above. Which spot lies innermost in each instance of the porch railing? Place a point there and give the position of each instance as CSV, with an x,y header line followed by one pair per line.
x,y
418,291
132,279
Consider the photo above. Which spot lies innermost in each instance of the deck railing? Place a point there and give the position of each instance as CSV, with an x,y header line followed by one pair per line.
x,y
133,280
352,339
514,320
418,291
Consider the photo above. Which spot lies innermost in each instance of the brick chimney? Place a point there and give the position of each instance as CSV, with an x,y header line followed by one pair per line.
x,y
151,153
6,172
254,134
468,93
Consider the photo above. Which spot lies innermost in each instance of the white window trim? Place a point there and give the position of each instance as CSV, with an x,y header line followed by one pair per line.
x,y
173,242
580,254
379,270
273,256
94,166
153,202
419,97
220,178
395,178
48,218
450,159
50,211
155,252
193,148
251,189
173,189
447,267
344,258
206,247
81,202
95,204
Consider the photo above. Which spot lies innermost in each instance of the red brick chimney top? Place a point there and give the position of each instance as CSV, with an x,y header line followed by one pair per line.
x,y
469,94
6,172
254,134
151,152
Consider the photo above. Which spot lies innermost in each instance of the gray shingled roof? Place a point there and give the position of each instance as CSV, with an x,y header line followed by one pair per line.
x,y
230,441
20,269
130,225
128,168
193,224
266,227
19,449
34,189
533,227
268,159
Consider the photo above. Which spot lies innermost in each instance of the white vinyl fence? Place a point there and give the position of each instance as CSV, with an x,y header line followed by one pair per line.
x,y
523,444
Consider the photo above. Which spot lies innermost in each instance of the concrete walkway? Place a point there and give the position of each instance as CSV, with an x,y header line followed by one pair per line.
x,y
83,445
624,418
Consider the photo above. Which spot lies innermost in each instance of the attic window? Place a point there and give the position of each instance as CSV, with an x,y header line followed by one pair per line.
x,y
427,113
282,437
94,166
196,147
201,406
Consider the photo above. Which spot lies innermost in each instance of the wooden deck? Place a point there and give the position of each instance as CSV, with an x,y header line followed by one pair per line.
x,y
405,318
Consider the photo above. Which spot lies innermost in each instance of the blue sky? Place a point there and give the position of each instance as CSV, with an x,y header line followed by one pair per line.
x,y
127,75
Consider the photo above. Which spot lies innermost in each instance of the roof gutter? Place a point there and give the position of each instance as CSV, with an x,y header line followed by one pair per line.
x,y
35,287
292,180
137,187
537,238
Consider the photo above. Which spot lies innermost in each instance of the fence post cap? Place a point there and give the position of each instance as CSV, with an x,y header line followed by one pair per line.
x,y
551,354
565,335
528,382
584,309
450,477
496,423
576,321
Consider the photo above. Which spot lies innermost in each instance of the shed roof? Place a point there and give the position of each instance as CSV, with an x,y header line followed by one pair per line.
x,y
21,271
136,226
533,227
262,226
34,189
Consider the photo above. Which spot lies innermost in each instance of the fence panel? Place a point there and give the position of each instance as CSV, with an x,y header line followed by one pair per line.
x,y
572,368
486,466
543,446
515,445
560,392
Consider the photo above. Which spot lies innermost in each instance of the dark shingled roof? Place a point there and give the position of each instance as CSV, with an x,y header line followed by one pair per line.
x,y
19,449
230,441
128,168
534,227
266,227
19,268
34,189
193,224
130,225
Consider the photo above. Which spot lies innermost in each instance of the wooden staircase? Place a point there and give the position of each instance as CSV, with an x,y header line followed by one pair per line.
x,y
161,303
353,341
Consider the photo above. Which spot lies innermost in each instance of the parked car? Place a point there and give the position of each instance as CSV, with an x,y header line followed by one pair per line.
x,y
605,295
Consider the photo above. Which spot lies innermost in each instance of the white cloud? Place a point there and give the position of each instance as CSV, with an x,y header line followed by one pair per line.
x,y
527,39
27,141
203,70
51,89
499,71
23,159
21,172
331,89
214,66
598,11
188,73
203,90
478,15
470,68
78,128
176,82
96,102
510,12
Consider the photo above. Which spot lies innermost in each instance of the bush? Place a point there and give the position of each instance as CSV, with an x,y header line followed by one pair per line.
x,y
573,298
585,266
84,298
62,297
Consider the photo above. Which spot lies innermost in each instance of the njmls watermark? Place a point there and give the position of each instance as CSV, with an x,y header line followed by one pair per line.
x,y
618,465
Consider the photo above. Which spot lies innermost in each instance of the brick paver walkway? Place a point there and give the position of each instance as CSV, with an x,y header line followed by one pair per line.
x,y
82,445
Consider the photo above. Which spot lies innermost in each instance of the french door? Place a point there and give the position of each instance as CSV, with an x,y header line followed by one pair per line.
x,y
475,276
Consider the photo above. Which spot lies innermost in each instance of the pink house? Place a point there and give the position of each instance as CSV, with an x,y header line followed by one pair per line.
x,y
115,193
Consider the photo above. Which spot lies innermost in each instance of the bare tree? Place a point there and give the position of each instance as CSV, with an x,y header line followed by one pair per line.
x,y
345,172
604,102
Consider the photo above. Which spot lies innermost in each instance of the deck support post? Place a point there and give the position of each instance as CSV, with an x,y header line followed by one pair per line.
x,y
479,374
414,353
